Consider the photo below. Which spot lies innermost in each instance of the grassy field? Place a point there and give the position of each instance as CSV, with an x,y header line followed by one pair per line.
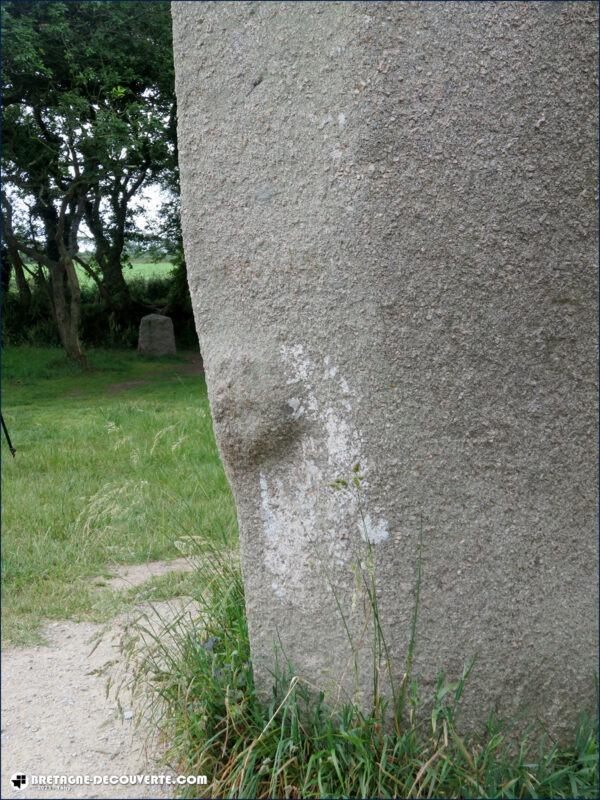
x,y
114,465
138,269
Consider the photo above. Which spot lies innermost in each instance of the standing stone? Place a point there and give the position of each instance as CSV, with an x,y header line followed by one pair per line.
x,y
389,224
156,337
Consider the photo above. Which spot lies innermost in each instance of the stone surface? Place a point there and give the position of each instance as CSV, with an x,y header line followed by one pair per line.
x,y
390,232
156,337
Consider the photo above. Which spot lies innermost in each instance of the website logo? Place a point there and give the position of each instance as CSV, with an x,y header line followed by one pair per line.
x,y
18,780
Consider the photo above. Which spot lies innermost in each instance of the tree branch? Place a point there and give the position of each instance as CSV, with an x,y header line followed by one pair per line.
x,y
12,240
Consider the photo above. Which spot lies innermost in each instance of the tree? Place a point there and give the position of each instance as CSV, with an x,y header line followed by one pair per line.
x,y
89,118
61,218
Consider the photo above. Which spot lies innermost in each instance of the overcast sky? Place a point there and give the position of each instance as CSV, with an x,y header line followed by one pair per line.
x,y
150,198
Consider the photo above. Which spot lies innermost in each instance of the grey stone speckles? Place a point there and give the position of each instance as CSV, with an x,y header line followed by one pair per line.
x,y
415,294
156,336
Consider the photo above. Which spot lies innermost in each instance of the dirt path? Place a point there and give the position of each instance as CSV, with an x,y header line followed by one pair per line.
x,y
56,718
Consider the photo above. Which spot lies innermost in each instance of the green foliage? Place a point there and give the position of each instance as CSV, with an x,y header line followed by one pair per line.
x,y
89,118
152,286
28,324
100,74
294,746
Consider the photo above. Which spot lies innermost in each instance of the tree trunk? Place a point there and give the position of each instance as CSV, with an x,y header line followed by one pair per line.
x,y
66,314
21,281
12,257
6,267
115,282
109,258
66,289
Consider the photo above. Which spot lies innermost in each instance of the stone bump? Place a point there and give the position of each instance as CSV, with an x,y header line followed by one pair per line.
x,y
391,248
156,336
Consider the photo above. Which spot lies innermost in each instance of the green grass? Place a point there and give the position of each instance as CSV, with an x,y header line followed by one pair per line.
x,y
114,465
138,269
294,746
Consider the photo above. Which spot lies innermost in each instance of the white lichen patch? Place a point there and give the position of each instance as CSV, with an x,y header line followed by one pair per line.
x,y
296,406
270,522
374,532
343,443
278,590
306,522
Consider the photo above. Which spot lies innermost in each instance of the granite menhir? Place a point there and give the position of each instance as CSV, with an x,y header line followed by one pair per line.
x,y
390,233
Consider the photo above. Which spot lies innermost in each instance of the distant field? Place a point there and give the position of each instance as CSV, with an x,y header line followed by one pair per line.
x,y
138,269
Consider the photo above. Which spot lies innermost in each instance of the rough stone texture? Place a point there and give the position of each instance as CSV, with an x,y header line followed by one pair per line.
x,y
390,233
156,337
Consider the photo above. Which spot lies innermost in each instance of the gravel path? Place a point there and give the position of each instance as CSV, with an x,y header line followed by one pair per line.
x,y
56,717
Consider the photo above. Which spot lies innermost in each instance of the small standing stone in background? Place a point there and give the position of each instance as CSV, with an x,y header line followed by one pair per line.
x,y
156,337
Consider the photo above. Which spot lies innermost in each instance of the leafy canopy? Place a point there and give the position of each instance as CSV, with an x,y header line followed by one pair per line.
x,y
87,93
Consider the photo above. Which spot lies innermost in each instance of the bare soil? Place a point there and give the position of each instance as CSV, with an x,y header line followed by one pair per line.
x,y
56,716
